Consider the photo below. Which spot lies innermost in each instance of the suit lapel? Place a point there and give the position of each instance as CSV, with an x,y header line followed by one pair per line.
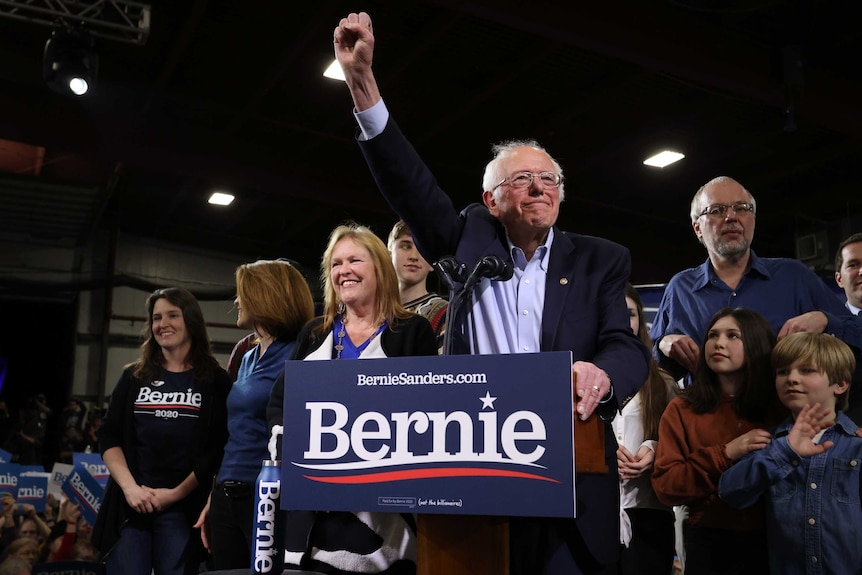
x,y
558,285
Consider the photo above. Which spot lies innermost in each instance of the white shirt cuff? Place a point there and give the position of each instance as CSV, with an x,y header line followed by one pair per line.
x,y
372,121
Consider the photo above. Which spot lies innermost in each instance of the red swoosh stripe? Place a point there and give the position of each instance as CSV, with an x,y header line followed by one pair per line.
x,y
427,474
168,406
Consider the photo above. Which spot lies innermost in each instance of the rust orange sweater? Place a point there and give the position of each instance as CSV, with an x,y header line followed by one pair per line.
x,y
690,460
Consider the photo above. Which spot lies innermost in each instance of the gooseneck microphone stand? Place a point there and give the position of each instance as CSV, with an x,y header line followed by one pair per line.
x,y
461,285
452,273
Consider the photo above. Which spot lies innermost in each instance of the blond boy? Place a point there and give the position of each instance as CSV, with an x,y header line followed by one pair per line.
x,y
809,474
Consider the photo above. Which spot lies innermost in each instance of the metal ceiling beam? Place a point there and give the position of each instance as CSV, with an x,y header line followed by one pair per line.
x,y
120,20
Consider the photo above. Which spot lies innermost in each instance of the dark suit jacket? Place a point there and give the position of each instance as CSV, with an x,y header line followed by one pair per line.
x,y
584,313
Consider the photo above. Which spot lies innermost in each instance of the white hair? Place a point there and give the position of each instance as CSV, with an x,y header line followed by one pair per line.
x,y
695,201
493,175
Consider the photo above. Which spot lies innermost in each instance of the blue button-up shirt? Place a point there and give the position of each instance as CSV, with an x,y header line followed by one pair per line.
x,y
776,288
814,515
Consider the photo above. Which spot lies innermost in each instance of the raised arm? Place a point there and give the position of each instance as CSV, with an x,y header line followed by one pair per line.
x,y
354,50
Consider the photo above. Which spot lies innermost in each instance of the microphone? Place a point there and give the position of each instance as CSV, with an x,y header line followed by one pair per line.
x,y
451,271
492,267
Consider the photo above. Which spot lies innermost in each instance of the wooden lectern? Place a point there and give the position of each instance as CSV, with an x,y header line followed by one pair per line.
x,y
463,544
479,545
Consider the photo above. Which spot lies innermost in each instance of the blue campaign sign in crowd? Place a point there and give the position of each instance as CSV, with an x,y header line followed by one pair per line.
x,y
48,516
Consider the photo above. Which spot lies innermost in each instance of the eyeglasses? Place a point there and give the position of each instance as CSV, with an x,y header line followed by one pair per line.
x,y
525,179
719,210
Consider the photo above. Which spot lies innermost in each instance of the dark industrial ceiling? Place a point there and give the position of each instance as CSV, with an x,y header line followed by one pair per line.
x,y
230,94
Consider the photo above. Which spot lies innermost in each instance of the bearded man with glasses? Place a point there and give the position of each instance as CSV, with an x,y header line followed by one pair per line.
x,y
783,290
567,293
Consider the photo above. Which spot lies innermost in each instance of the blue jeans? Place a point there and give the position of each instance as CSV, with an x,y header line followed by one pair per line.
x,y
157,544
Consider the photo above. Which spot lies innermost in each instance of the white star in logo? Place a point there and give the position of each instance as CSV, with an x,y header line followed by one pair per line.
x,y
487,401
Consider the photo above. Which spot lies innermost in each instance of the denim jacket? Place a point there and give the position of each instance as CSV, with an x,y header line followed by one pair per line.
x,y
814,515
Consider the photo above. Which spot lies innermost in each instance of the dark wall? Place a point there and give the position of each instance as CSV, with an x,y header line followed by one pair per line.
x,y
37,346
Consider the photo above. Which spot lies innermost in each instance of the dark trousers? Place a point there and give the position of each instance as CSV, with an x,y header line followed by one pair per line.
x,y
545,546
231,520
651,549
711,551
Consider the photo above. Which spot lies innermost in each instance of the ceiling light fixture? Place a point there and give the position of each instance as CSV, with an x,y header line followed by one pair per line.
x,y
221,199
663,159
70,62
334,71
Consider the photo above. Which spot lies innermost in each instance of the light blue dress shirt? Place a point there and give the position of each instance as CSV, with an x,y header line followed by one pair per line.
x,y
506,317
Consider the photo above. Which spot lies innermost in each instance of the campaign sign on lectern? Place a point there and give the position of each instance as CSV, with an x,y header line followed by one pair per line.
x,y
476,435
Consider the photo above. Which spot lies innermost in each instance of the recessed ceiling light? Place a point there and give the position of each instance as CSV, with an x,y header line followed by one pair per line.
x,y
221,199
334,71
664,158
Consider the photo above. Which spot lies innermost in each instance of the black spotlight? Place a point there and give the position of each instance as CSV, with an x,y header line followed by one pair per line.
x,y
70,62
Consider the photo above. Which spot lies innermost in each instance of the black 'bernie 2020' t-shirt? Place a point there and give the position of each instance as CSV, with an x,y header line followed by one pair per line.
x,y
166,413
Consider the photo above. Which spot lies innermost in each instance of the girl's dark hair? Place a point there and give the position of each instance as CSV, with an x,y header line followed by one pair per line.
x,y
151,361
756,400
654,393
